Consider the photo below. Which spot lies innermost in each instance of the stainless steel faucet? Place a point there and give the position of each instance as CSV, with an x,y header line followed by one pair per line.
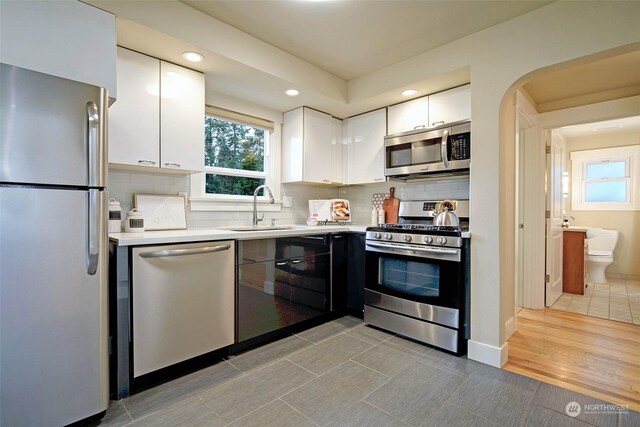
x,y
255,203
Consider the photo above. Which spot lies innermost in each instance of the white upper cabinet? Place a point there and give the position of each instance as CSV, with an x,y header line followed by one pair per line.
x,y
134,120
307,150
365,147
337,152
158,120
450,106
181,118
408,116
67,39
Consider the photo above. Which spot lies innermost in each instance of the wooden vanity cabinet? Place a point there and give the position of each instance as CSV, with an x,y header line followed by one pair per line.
x,y
574,260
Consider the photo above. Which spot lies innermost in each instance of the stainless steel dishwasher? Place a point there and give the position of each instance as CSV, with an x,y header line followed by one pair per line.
x,y
183,302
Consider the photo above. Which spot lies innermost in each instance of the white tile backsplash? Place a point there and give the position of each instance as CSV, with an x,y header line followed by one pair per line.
x,y
122,185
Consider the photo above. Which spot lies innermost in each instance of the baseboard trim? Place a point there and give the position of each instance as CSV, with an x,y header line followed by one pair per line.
x,y
620,276
488,354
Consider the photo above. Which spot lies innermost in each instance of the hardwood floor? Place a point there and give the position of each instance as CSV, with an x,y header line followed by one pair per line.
x,y
596,357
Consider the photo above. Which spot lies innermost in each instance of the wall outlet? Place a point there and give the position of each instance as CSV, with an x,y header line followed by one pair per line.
x,y
287,202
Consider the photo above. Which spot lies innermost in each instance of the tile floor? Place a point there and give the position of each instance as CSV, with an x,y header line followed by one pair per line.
x,y
344,373
615,300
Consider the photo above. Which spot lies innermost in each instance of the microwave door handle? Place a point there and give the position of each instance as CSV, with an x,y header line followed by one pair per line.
x,y
443,148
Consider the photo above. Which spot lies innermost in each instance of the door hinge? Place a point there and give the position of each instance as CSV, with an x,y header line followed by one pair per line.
x,y
547,279
547,149
547,214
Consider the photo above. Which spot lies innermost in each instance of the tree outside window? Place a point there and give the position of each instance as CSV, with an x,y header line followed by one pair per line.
x,y
234,157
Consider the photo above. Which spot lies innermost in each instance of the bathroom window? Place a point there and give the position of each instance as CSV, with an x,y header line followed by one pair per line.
x,y
605,179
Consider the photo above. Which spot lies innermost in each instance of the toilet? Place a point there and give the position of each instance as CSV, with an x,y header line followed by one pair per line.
x,y
602,242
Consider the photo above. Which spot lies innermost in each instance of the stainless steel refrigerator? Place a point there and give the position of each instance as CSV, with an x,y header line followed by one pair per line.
x,y
53,253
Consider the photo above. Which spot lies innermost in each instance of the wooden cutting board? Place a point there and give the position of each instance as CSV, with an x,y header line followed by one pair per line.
x,y
391,207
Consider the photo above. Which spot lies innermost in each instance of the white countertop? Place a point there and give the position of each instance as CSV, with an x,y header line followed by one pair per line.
x,y
206,234
576,228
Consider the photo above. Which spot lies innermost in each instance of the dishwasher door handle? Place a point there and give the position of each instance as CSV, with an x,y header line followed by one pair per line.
x,y
182,252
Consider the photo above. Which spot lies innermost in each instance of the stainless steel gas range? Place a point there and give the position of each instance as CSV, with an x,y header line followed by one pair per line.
x,y
417,276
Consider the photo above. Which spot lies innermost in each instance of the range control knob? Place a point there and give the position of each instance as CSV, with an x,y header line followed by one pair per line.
x,y
427,239
442,240
377,235
406,238
388,236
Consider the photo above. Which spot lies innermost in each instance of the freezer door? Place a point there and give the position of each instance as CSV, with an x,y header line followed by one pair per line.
x,y
53,311
52,130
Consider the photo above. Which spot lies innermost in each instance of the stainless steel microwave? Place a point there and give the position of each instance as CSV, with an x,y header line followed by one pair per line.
x,y
442,150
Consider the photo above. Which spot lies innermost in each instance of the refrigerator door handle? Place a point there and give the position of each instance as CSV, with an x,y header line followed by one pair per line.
x,y
94,143
93,235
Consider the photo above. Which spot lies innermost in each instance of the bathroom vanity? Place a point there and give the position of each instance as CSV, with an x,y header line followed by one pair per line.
x,y
574,260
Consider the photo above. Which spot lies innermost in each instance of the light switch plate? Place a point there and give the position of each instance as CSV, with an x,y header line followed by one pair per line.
x,y
287,201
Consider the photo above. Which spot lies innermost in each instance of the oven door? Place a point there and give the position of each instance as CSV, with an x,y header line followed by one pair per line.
x,y
427,275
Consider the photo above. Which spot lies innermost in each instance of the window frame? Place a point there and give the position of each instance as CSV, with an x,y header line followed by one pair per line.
x,y
580,160
203,201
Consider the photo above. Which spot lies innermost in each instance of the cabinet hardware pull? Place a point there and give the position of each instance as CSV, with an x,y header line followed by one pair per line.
x,y
439,122
419,127
296,261
181,252
280,264
146,162
326,180
172,165
378,179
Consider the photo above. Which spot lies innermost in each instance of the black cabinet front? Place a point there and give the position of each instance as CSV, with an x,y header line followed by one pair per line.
x,y
288,289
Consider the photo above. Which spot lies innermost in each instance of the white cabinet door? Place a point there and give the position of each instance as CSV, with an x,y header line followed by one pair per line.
x,y
307,150
317,147
337,152
450,106
181,118
67,39
410,115
365,147
134,127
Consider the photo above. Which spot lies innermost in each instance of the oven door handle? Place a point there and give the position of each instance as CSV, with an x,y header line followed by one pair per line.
x,y
413,248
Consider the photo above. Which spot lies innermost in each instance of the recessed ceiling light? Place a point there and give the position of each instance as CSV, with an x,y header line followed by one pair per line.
x,y
193,56
292,92
409,92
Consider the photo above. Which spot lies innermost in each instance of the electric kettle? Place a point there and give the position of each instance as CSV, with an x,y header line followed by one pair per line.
x,y
445,215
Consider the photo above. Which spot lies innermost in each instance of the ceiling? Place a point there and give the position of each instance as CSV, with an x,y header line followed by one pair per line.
x,y
623,125
352,38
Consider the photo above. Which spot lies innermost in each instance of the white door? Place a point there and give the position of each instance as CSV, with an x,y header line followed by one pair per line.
x,y
554,221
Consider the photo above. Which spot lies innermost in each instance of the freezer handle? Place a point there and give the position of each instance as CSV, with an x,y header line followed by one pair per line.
x,y
94,143
93,244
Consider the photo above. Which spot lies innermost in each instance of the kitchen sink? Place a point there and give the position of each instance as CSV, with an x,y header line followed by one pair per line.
x,y
260,228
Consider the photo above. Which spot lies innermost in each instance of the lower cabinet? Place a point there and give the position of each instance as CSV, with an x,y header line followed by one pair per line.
x,y
281,282
574,259
355,274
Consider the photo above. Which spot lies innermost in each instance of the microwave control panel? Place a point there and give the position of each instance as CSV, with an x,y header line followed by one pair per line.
x,y
461,146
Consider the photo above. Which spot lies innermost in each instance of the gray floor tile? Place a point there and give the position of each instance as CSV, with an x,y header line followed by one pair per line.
x,y
116,416
369,334
386,358
330,353
330,329
152,400
416,393
363,414
241,396
192,412
409,347
268,353
629,418
557,398
500,396
538,416
275,414
456,365
329,396
451,415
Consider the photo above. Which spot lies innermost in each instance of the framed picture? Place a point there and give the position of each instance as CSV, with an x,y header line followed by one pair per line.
x,y
162,211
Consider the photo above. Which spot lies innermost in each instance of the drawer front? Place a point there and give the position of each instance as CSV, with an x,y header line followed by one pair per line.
x,y
259,250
